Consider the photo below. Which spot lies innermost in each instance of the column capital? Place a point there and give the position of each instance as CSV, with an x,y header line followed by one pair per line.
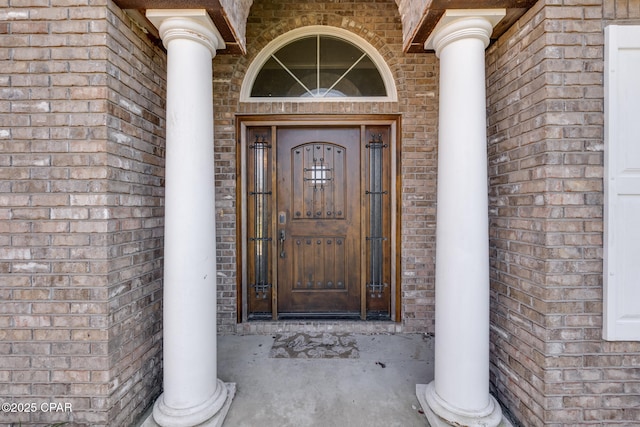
x,y
458,24
190,24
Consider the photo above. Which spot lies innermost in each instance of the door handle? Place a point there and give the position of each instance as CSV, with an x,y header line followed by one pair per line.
x,y
281,239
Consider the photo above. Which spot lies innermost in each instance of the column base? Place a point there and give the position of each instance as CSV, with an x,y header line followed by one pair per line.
x,y
447,418
186,420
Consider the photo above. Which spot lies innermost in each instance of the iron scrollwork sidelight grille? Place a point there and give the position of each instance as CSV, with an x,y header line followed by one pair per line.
x,y
376,194
261,199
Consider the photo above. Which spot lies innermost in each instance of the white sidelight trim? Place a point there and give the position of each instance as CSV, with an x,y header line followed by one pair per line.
x,y
192,394
459,394
621,317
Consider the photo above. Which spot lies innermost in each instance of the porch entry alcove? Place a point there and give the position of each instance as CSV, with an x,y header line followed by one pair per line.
x,y
318,217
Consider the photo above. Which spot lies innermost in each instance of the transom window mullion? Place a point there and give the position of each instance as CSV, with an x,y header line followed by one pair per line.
x,y
292,74
343,74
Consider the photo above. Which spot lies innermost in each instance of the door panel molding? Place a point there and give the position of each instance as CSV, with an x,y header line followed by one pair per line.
x,y
252,305
306,181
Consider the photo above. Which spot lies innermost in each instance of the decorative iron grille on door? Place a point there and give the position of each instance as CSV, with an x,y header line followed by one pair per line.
x,y
259,229
376,237
377,211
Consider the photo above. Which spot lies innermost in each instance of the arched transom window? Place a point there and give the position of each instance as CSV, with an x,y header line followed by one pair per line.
x,y
319,63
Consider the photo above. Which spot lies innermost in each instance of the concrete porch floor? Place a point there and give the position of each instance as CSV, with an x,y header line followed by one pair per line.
x,y
377,389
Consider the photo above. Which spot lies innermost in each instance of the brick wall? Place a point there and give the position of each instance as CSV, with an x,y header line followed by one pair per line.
x,y
136,82
416,79
550,365
80,211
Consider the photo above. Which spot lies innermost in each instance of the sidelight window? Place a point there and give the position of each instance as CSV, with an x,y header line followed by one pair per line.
x,y
376,193
260,201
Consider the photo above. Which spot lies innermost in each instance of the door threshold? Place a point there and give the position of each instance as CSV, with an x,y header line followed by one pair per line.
x,y
371,317
319,316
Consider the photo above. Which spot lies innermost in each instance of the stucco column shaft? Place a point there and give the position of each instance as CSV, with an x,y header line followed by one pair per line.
x,y
459,394
192,393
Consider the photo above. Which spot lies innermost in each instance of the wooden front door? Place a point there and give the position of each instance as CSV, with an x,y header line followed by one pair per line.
x,y
318,221
317,217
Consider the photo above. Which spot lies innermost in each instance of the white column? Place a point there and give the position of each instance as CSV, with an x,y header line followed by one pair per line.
x,y
459,394
192,394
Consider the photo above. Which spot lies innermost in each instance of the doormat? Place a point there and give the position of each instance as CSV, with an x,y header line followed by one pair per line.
x,y
315,346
